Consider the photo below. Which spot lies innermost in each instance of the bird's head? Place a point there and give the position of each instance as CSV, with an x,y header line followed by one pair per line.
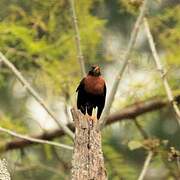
x,y
95,71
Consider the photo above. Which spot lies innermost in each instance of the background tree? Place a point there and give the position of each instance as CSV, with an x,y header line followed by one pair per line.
x,y
38,38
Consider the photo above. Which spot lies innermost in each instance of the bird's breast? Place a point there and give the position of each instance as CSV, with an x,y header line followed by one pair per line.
x,y
94,85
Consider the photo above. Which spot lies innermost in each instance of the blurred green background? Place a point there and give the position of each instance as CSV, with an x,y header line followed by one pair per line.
x,y
38,38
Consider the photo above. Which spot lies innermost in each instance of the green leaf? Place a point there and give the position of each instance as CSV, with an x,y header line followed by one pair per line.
x,y
134,145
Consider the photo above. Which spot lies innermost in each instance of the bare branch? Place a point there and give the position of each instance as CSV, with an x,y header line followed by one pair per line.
x,y
161,70
132,41
145,136
178,164
143,133
146,165
130,112
24,137
22,167
34,94
77,39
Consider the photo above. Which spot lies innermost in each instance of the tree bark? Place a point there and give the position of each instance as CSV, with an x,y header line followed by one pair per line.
x,y
4,174
88,161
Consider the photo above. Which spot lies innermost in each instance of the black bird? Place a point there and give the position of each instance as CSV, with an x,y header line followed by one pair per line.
x,y
92,92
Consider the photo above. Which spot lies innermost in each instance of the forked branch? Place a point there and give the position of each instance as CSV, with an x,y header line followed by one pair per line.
x,y
161,70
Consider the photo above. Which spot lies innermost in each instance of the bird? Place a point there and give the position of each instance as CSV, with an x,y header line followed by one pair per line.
x,y
92,92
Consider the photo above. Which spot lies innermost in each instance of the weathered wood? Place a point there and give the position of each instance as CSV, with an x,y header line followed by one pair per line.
x,y
88,161
4,174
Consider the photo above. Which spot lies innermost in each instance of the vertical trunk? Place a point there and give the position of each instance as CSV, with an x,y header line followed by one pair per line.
x,y
88,162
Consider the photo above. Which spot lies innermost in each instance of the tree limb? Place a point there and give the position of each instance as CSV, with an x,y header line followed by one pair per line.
x,y
132,41
129,112
34,140
34,94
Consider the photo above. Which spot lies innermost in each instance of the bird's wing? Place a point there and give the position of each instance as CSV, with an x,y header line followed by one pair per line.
x,y
104,95
81,98
81,85
105,90
101,102
102,98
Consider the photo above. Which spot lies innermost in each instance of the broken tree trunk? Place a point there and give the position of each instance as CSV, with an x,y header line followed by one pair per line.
x,y
88,161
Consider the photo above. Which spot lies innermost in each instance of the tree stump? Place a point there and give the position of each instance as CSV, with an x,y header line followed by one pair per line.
x,y
88,161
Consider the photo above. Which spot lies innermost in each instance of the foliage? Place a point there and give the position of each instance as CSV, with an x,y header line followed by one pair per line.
x,y
167,25
42,38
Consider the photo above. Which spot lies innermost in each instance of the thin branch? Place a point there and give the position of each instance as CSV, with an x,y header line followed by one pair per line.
x,y
161,70
130,112
34,94
146,165
77,39
132,41
21,167
178,164
24,137
143,133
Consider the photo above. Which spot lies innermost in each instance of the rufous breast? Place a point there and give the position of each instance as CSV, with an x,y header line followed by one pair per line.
x,y
94,85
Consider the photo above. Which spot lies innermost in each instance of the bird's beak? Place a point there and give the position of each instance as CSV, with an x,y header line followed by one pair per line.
x,y
97,69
